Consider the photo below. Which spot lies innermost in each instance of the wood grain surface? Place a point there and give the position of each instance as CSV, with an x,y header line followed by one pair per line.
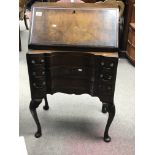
x,y
84,26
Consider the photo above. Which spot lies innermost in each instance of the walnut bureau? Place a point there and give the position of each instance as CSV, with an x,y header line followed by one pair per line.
x,y
73,49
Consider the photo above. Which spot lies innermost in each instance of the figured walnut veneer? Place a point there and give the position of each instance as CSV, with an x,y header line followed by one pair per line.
x,y
74,25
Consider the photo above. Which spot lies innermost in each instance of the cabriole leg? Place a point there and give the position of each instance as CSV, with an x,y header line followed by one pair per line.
x,y
33,105
110,108
46,107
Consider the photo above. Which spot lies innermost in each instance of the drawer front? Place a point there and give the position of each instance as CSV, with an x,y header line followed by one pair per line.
x,y
72,73
38,71
39,83
106,70
106,88
61,59
38,87
107,64
37,75
105,76
131,36
79,72
71,85
36,59
105,91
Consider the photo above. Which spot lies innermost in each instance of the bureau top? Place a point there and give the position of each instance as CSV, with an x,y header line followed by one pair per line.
x,y
73,5
74,26
105,54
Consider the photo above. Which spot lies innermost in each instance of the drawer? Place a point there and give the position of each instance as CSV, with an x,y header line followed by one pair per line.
x,y
131,51
106,76
73,84
37,93
77,72
131,36
68,59
106,89
38,88
38,83
35,59
38,71
107,63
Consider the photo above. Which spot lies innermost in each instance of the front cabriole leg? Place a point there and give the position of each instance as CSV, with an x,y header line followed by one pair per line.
x,y
110,108
33,105
46,106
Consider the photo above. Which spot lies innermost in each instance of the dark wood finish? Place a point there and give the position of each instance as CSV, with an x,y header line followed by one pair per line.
x,y
77,73
46,107
53,71
33,105
73,72
72,26
110,108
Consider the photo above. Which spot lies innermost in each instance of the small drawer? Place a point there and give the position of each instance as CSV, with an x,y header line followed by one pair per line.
x,y
106,76
35,59
106,88
72,84
38,71
77,72
39,83
38,93
107,64
69,59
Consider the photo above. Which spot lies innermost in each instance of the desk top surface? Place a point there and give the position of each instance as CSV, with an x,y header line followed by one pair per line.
x,y
105,54
71,5
83,25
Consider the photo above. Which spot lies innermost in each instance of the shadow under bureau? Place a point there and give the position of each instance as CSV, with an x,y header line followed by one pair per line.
x,y
71,51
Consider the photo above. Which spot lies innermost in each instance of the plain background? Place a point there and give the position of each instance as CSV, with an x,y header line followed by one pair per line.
x,y
145,77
